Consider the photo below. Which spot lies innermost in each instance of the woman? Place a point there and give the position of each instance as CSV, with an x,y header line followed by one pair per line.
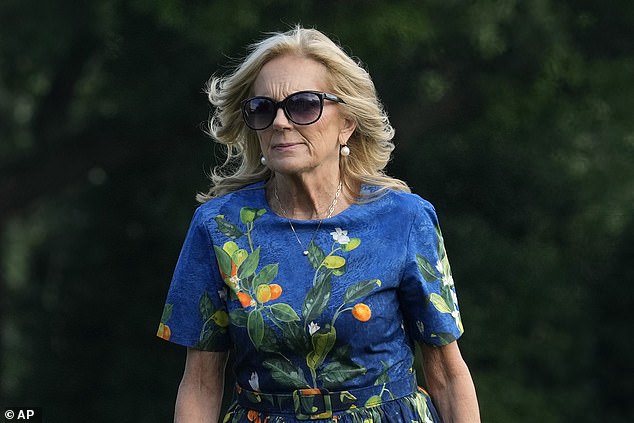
x,y
316,268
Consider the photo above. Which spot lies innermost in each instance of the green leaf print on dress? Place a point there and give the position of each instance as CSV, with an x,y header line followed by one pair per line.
x,y
215,321
446,301
263,308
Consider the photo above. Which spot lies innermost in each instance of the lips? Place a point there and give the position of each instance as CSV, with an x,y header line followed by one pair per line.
x,y
284,146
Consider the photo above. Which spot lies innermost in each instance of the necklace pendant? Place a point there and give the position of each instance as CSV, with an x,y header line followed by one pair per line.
x,y
305,252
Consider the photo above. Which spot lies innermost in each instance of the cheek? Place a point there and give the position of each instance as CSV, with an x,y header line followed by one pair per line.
x,y
264,138
319,139
330,130
329,138
324,133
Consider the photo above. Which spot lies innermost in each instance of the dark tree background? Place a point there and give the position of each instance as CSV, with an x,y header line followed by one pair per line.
x,y
513,117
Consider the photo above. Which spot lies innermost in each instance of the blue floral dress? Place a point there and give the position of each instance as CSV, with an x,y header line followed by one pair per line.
x,y
327,336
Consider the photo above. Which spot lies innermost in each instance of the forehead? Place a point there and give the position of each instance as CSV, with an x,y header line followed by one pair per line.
x,y
287,74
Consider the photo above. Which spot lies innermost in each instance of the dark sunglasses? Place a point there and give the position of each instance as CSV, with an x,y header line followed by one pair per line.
x,y
301,108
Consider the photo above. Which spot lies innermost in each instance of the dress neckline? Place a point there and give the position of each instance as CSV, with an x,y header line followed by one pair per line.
x,y
261,185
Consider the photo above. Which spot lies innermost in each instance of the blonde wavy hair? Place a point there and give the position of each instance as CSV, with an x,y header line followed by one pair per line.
x,y
371,143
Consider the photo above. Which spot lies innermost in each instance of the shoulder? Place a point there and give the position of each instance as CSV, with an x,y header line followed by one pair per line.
x,y
209,210
412,207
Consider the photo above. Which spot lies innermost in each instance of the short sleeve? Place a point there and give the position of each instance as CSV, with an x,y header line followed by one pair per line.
x,y
195,313
427,293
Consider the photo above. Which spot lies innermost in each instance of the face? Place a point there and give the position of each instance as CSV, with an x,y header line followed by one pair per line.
x,y
301,149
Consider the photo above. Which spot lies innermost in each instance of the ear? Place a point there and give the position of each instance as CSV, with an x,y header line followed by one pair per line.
x,y
346,131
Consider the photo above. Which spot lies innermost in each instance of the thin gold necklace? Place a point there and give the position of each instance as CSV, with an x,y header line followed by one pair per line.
x,y
331,210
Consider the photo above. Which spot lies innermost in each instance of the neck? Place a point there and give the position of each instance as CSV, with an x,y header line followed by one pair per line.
x,y
298,198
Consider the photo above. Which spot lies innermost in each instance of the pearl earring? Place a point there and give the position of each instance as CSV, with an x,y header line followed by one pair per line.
x,y
345,150
263,160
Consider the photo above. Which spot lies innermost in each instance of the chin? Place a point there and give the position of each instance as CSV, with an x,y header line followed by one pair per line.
x,y
290,167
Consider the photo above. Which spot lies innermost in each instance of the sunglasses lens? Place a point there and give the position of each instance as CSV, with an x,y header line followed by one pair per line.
x,y
259,112
304,108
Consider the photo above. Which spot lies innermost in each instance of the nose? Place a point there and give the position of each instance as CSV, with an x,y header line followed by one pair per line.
x,y
281,121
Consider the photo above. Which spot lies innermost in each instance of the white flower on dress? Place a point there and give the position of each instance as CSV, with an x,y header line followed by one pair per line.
x,y
254,381
313,327
439,267
340,236
447,280
222,293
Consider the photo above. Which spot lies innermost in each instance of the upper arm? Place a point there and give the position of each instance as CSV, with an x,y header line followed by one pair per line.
x,y
205,368
427,293
442,363
449,383
195,313
200,392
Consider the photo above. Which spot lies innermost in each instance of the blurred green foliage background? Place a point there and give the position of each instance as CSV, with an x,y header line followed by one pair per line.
x,y
515,118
